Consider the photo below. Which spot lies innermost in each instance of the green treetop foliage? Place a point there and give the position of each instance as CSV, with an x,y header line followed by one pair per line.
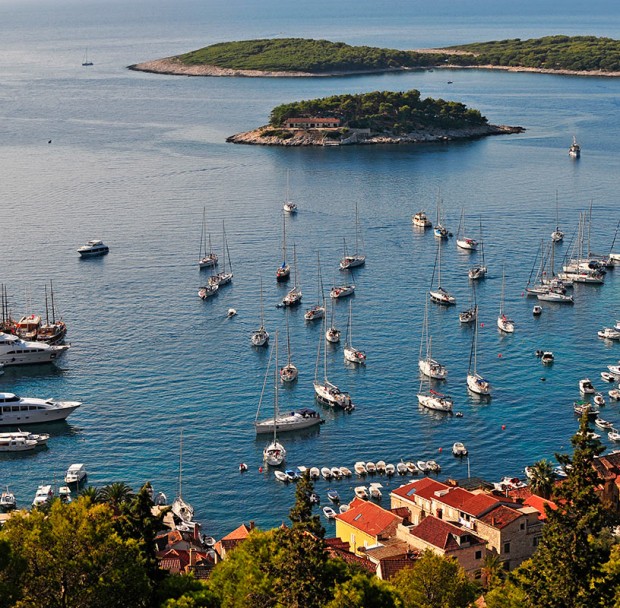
x,y
551,52
324,57
435,582
71,556
301,512
383,111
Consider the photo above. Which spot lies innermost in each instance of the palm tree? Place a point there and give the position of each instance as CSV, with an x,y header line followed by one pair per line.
x,y
541,478
492,570
93,493
116,494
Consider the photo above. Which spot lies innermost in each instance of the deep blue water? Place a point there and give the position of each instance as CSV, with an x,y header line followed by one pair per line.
x,y
134,159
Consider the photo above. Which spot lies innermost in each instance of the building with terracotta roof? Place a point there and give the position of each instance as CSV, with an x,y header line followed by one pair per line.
x,y
511,530
227,543
448,540
365,525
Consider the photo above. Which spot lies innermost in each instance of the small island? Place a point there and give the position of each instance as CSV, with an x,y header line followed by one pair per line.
x,y
380,117
300,57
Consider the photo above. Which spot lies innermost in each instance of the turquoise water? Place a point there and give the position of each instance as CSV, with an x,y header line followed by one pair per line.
x,y
135,157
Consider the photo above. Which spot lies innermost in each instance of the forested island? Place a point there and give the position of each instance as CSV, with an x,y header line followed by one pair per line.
x,y
584,55
371,118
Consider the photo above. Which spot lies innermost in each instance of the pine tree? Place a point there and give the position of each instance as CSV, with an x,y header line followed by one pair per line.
x,y
573,548
301,512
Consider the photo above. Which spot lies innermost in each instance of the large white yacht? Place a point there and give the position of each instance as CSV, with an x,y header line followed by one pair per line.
x,y
16,410
93,248
293,421
15,351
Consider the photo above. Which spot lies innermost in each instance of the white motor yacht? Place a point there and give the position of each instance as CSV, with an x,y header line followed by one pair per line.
x,y
609,333
93,248
585,387
16,410
421,220
459,449
39,438
7,500
15,351
293,421
43,496
17,444
76,474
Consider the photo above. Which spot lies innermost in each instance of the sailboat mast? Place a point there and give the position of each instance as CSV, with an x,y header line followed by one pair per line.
x,y
275,394
283,240
47,321
288,341
202,232
181,466
52,302
223,247
357,229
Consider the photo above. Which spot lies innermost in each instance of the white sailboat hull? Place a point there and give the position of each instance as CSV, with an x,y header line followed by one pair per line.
x,y
332,335
477,384
353,355
505,324
289,373
274,454
439,403
352,261
295,421
467,244
433,369
331,395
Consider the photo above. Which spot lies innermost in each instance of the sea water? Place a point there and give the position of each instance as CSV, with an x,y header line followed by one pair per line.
x,y
133,158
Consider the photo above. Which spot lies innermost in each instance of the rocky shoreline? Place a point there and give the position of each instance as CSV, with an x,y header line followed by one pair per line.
x,y
173,67
265,136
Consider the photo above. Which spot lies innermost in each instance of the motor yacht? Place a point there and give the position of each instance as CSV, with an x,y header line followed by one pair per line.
x,y
421,220
17,444
7,500
43,496
15,351
39,438
93,249
76,474
28,327
609,333
459,449
585,387
16,410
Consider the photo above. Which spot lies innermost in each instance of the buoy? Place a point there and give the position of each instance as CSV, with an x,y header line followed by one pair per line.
x,y
481,324
499,356
503,427
441,449
260,469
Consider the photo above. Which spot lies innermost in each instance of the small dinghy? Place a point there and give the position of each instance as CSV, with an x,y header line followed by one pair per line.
x,y
360,468
607,377
422,466
333,495
614,394
336,473
537,310
281,476
243,467
291,475
613,435
326,473
413,468
603,424
459,449
315,473
433,466
401,468
390,469
381,467
371,468
314,499
547,358
361,492
329,512
599,399
231,313
345,472
374,489
343,508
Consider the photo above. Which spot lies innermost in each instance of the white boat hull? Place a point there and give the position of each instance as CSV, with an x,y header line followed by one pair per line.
x,y
352,261
331,395
467,244
289,373
440,296
342,291
332,335
477,384
51,411
435,402
432,369
354,356
505,324
260,338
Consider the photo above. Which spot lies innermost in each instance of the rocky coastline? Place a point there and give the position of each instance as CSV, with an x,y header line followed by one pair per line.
x,y
268,136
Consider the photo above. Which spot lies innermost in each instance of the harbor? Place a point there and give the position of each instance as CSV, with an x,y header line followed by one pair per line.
x,y
148,359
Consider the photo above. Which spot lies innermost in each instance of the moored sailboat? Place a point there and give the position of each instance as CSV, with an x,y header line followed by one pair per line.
x,y
503,322
182,509
289,372
428,366
318,310
357,258
207,258
352,354
439,295
475,382
224,277
260,337
293,297
332,334
463,241
274,454
479,271
283,272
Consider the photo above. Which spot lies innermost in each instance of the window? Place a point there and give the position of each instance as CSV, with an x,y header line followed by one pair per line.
x,y
522,525
506,547
478,555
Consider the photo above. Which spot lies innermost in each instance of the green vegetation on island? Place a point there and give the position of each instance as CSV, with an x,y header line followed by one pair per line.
x,y
396,113
322,57
574,53
304,55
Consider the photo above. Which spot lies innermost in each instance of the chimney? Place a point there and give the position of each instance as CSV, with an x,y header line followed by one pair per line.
x,y
192,558
196,532
251,526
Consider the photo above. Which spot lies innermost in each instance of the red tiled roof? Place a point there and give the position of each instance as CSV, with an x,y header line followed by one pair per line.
x,y
403,512
539,503
500,517
425,488
440,533
392,565
240,533
370,518
472,504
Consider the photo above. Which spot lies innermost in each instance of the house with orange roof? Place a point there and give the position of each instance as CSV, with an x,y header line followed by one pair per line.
x,y
226,544
448,540
366,525
417,496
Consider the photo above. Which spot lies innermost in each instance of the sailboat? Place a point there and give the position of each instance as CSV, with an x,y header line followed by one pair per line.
x,y
440,295
289,372
223,277
274,454
207,258
357,259
289,206
351,353
471,314
318,310
479,271
283,272
325,391
183,510
332,334
461,240
85,61
503,322
293,297
475,382
427,397
55,331
260,337
427,365
557,235
439,230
